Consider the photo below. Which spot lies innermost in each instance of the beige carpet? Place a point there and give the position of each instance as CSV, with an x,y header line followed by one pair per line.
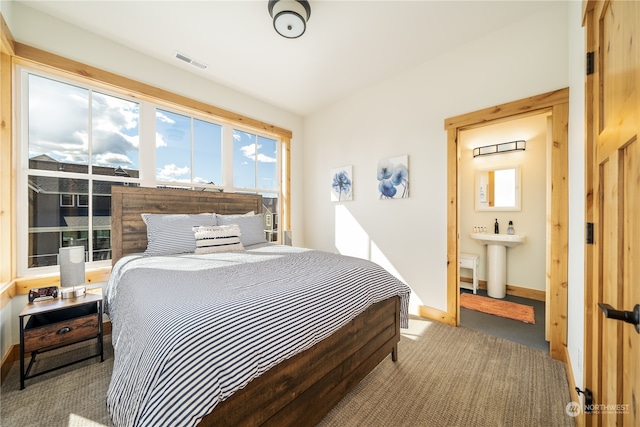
x,y
445,376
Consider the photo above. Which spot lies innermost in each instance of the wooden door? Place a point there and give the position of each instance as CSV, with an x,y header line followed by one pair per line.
x,y
613,176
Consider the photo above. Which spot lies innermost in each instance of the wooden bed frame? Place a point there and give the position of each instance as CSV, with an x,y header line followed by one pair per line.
x,y
301,390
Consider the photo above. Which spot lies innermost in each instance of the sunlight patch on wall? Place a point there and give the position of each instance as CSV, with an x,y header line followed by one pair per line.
x,y
380,258
350,238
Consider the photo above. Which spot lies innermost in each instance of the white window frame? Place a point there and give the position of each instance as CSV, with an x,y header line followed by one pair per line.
x,y
63,205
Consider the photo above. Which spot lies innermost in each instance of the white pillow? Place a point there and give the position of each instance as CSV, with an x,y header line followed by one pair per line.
x,y
222,238
251,226
173,233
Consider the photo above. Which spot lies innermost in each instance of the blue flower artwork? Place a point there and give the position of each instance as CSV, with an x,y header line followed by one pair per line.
x,y
342,184
393,178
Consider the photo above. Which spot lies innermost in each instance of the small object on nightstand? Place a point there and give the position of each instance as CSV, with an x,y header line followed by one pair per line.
x,y
43,294
68,292
73,292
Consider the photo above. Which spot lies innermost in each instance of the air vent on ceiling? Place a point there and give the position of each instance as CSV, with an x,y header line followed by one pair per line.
x,y
188,60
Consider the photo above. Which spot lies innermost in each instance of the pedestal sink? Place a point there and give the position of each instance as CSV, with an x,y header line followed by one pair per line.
x,y
497,245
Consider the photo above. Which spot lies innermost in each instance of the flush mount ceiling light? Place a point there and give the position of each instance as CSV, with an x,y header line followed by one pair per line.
x,y
504,147
290,17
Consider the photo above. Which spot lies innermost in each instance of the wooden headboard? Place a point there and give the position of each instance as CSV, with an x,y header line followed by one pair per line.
x,y
129,232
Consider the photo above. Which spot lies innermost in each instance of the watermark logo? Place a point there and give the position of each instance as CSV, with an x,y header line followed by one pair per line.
x,y
572,409
611,408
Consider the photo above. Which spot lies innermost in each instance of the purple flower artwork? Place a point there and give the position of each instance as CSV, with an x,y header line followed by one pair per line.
x,y
342,184
393,178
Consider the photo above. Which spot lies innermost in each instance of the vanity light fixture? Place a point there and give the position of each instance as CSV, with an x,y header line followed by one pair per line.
x,y
290,17
503,147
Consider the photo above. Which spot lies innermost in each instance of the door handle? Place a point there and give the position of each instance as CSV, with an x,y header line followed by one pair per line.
x,y
632,317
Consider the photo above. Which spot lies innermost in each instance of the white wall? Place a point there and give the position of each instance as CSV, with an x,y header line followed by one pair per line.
x,y
526,264
6,7
405,115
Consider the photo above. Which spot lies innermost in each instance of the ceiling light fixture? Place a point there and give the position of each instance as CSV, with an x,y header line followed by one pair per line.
x,y
290,17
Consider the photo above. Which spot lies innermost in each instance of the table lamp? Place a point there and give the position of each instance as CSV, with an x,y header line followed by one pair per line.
x,y
71,260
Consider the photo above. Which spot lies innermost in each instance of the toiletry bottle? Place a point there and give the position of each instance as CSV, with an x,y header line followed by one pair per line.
x,y
510,228
496,227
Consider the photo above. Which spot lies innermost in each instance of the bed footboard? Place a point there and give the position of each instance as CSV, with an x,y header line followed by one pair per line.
x,y
302,390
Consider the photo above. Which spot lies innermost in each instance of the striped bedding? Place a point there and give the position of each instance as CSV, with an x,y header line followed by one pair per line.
x,y
189,330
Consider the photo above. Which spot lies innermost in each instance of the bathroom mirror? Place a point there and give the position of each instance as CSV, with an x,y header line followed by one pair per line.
x,y
498,189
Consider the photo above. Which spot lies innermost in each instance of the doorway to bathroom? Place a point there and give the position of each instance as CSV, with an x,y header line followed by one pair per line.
x,y
505,191
555,106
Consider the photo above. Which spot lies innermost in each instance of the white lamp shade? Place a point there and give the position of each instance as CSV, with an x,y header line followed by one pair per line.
x,y
71,260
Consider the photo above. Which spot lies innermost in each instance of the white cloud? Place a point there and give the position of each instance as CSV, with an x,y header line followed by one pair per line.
x,y
172,172
163,117
109,159
250,152
160,142
266,159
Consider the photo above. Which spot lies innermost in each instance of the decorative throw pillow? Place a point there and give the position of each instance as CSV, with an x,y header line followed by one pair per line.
x,y
252,227
173,233
221,238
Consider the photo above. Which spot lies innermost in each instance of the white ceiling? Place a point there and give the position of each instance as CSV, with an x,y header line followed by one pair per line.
x,y
348,45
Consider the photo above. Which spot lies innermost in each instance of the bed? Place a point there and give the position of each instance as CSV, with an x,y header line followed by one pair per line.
x,y
172,364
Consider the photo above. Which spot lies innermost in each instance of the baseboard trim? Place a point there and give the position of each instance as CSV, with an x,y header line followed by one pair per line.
x,y
515,291
13,354
435,315
7,361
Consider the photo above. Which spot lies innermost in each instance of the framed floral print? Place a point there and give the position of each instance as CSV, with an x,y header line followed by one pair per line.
x,y
393,177
342,184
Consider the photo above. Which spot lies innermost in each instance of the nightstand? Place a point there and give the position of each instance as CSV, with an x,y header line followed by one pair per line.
x,y
57,323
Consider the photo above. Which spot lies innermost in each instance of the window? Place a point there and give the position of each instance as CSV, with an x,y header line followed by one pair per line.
x,y
73,135
254,161
83,200
255,167
77,141
67,201
188,150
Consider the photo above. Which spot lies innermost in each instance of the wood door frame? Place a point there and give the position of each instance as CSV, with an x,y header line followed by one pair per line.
x,y
592,322
557,103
